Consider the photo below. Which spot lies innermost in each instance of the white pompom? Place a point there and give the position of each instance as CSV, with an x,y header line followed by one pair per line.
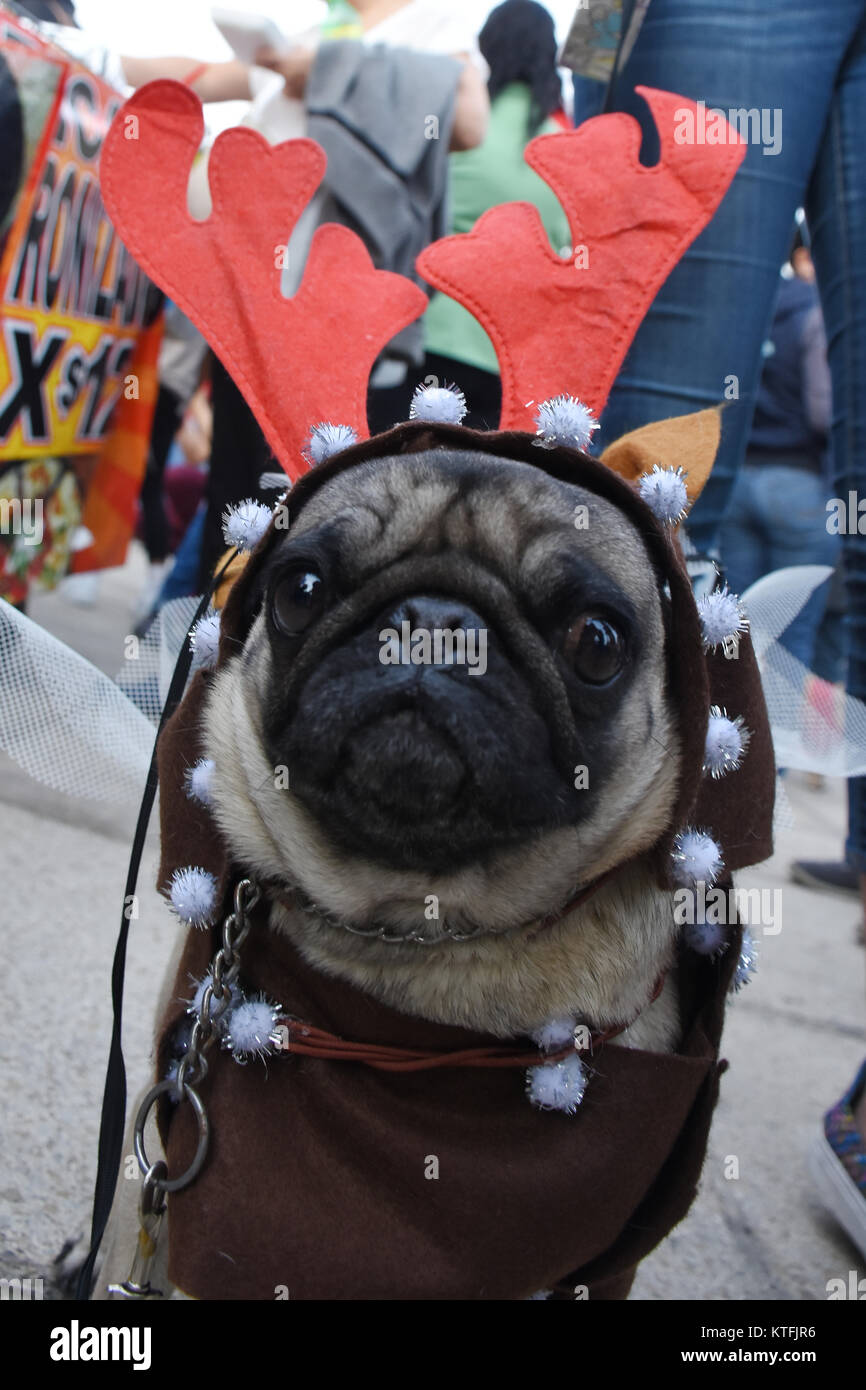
x,y
205,642
245,523
727,741
199,780
565,420
327,440
439,405
220,1021
707,938
249,1027
697,858
664,491
722,618
747,963
558,1085
554,1034
193,895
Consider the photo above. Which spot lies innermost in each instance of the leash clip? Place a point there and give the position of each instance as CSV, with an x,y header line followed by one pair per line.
x,y
137,1286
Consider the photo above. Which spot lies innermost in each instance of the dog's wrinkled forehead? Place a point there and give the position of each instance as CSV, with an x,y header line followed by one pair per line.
x,y
509,516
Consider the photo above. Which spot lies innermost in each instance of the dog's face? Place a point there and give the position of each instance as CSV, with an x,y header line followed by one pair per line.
x,y
455,686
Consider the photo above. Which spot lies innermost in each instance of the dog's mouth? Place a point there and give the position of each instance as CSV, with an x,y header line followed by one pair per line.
x,y
405,765
419,751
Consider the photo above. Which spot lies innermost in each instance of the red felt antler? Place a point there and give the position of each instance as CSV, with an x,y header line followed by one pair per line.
x,y
297,361
565,326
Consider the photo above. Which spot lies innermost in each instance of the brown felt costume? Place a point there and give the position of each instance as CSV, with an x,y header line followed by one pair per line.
x,y
314,1180
315,1177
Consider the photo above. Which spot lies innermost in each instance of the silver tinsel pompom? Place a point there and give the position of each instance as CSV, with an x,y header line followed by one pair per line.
x,y
245,523
440,405
558,1085
219,1015
727,741
248,1029
707,938
722,618
664,491
747,964
565,420
554,1034
193,894
697,858
327,440
198,781
205,642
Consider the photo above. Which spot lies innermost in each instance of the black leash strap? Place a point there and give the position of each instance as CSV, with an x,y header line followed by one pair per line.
x,y
113,1121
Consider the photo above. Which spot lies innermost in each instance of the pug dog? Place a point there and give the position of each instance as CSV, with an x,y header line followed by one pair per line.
x,y
444,757
456,717
492,794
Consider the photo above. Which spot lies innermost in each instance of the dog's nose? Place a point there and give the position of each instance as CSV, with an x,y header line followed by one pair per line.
x,y
428,613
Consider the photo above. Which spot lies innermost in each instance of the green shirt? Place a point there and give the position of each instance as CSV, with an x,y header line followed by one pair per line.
x,y
483,178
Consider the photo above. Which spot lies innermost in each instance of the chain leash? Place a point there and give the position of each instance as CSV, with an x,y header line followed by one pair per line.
x,y
191,1072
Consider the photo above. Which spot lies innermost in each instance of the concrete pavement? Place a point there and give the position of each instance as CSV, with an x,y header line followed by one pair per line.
x,y
794,1036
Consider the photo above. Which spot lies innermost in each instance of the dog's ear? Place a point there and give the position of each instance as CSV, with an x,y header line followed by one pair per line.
x,y
230,575
686,441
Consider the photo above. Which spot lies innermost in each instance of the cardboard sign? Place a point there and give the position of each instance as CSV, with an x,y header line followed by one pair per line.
x,y
77,364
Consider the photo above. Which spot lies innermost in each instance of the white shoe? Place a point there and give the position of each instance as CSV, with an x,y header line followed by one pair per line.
x,y
834,1185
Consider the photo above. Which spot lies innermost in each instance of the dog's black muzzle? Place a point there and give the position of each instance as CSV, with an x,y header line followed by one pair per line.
x,y
425,726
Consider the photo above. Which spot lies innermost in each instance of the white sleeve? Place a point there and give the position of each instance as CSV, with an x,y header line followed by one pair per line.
x,y
80,44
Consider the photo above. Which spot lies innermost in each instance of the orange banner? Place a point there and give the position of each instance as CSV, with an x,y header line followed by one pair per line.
x,y
77,362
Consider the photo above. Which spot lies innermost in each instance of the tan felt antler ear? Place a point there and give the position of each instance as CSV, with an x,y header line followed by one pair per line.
x,y
689,442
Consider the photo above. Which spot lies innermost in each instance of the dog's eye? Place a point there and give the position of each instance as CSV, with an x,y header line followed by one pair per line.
x,y
595,649
298,601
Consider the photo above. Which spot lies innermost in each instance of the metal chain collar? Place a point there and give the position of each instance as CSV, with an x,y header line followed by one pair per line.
x,y
323,916
193,1066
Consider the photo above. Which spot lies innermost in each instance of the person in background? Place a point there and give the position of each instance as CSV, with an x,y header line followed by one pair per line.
x,y
193,442
518,43
787,456
386,178
181,361
418,53
51,11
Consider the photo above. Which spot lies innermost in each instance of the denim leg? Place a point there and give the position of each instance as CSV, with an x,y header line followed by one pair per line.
x,y
794,504
743,543
181,579
777,518
710,318
837,213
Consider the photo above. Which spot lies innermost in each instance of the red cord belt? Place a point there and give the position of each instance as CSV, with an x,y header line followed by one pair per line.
x,y
308,1041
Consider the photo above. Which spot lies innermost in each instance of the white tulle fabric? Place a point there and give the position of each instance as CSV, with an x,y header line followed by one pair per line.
x,y
72,727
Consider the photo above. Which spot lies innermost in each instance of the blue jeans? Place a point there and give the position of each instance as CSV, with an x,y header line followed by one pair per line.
x,y
708,322
182,578
778,517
